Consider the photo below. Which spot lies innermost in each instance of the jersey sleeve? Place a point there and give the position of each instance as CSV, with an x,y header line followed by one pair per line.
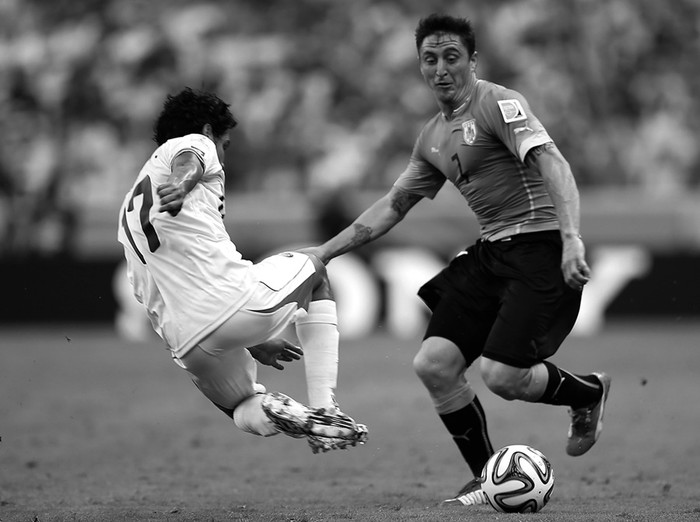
x,y
420,176
509,117
203,149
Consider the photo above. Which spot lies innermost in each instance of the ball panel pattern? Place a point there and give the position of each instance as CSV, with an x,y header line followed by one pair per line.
x,y
518,479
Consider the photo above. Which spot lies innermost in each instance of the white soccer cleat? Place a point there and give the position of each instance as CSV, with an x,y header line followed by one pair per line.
x,y
470,495
297,420
325,444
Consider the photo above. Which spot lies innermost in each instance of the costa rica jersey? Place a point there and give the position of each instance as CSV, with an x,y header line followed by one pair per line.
x,y
185,269
482,150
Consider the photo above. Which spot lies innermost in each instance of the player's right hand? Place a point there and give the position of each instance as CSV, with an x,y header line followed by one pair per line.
x,y
271,352
171,198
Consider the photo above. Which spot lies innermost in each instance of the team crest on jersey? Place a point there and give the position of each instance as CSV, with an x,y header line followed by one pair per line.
x,y
469,131
511,110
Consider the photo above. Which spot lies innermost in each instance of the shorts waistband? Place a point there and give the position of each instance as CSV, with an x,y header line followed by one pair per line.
x,y
525,236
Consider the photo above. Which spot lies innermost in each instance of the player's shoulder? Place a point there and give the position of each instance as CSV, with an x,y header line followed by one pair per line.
x,y
495,99
487,91
197,143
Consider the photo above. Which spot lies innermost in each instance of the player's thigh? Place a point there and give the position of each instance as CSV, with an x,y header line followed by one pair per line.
x,y
285,284
467,327
247,328
225,378
284,278
562,322
521,335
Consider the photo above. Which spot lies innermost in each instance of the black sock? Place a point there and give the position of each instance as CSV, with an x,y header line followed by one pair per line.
x,y
468,429
567,389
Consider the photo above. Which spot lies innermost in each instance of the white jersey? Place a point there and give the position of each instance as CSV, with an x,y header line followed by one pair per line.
x,y
184,269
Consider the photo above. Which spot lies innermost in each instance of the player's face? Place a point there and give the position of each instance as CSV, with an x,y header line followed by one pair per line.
x,y
222,143
447,67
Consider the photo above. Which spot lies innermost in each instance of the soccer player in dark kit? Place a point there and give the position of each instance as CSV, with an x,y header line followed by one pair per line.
x,y
513,296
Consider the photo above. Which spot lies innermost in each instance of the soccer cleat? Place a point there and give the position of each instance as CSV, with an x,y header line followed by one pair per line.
x,y
297,420
470,495
325,444
587,423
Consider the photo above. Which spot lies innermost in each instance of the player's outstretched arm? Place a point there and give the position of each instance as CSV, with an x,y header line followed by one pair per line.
x,y
271,352
186,172
374,222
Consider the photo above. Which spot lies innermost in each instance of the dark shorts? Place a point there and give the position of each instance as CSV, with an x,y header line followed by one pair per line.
x,y
506,300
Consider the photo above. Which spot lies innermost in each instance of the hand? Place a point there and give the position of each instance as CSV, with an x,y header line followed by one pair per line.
x,y
171,198
573,263
270,352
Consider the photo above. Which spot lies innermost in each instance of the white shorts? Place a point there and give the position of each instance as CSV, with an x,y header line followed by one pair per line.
x,y
220,365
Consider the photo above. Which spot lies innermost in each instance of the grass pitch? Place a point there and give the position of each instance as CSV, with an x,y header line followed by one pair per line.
x,y
97,429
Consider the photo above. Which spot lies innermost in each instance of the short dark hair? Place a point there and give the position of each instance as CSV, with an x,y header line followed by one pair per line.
x,y
440,23
188,112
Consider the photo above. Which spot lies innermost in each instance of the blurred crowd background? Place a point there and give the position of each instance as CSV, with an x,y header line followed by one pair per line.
x,y
327,93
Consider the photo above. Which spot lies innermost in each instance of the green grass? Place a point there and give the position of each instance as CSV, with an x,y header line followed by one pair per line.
x,y
94,428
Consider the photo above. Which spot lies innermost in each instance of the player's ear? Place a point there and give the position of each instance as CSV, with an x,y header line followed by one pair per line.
x,y
208,131
473,60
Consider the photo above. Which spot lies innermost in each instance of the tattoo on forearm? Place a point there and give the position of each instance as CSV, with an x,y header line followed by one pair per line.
x,y
363,234
402,202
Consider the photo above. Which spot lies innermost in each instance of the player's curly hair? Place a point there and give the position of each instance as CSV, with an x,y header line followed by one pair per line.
x,y
440,23
188,111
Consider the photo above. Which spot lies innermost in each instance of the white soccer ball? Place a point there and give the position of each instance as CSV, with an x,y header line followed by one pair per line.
x,y
517,479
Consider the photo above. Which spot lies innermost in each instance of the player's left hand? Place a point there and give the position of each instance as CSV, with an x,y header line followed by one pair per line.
x,y
573,264
271,352
171,198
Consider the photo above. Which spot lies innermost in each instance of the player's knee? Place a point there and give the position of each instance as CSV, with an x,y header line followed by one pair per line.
x,y
508,382
431,374
318,264
435,372
322,289
425,368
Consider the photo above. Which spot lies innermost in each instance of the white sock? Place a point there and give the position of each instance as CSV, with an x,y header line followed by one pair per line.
x,y
318,334
250,417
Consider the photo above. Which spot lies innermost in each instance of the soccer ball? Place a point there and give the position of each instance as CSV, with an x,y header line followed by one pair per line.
x,y
517,479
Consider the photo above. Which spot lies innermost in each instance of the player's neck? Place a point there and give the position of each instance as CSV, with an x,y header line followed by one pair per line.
x,y
450,110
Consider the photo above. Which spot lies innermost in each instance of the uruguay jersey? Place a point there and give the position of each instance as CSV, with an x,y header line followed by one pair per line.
x,y
184,269
482,150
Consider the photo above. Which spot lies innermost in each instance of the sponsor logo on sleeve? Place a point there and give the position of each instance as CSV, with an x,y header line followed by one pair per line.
x,y
511,110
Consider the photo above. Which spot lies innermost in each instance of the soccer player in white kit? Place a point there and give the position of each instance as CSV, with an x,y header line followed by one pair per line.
x,y
216,311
